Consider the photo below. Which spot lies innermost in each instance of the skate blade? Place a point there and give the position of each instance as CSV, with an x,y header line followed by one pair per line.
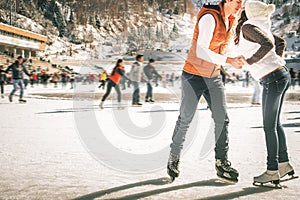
x,y
136,105
289,178
171,179
172,176
120,108
269,185
227,180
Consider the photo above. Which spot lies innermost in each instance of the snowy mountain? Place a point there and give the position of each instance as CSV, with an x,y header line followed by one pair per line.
x,y
98,29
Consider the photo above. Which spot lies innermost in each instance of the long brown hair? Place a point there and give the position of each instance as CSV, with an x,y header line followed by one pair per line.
x,y
241,21
117,65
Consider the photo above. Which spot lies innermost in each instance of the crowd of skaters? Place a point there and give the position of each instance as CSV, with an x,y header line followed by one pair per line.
x,y
34,76
60,79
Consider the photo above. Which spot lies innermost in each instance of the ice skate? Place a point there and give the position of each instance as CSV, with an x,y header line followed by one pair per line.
x,y
149,101
226,172
22,101
173,165
101,105
136,104
120,106
269,176
285,168
2,96
10,98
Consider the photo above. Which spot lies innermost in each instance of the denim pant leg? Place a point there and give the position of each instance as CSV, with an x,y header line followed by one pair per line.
x,y
21,85
136,92
149,91
274,89
110,84
282,152
117,88
215,98
191,93
15,85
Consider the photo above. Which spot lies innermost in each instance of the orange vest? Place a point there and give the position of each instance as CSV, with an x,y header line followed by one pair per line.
x,y
116,77
218,44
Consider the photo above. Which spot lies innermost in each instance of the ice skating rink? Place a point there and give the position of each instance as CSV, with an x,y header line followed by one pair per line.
x,y
54,148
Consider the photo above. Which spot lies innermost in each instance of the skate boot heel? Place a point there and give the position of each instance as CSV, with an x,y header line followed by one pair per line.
x,y
291,173
276,182
173,172
173,167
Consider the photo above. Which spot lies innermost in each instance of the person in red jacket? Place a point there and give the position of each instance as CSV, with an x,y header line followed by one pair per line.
x,y
113,81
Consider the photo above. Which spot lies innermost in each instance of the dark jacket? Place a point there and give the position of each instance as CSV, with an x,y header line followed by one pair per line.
x,y
17,70
149,71
2,76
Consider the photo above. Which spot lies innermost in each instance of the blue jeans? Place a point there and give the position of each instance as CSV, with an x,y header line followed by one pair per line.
x,y
275,86
193,87
16,83
136,92
149,91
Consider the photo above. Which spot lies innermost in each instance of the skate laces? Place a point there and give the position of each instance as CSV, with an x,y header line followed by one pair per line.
x,y
174,160
226,164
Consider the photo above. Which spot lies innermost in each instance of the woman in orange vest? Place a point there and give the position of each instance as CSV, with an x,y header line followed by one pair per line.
x,y
113,81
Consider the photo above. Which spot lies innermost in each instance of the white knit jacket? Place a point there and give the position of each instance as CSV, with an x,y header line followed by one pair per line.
x,y
271,60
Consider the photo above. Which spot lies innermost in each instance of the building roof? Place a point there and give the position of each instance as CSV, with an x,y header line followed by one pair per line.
x,y
22,32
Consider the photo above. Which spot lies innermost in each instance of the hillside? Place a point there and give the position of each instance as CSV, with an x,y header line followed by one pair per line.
x,y
100,29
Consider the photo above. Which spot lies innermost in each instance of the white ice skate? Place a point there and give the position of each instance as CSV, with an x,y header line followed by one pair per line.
x,y
285,168
269,176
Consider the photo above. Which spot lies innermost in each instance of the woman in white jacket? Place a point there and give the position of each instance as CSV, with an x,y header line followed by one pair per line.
x,y
263,51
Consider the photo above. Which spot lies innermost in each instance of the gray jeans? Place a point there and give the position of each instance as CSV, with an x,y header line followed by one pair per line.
x,y
193,87
136,92
274,88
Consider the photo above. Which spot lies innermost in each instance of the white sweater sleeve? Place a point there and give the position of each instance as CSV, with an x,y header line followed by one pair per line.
x,y
206,29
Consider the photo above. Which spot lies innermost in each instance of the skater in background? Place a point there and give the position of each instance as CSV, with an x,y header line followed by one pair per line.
x,y
201,76
224,75
246,78
17,74
164,79
149,71
298,77
33,79
256,93
113,81
293,78
135,76
2,80
55,79
263,53
64,79
26,80
44,78
103,78
72,80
